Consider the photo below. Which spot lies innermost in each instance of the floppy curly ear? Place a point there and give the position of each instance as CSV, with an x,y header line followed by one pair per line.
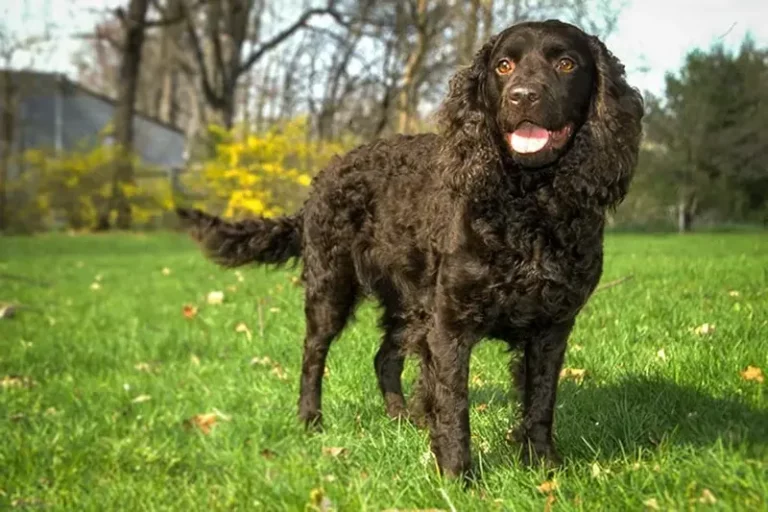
x,y
467,150
615,124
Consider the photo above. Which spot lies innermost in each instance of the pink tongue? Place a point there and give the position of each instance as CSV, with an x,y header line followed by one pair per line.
x,y
529,138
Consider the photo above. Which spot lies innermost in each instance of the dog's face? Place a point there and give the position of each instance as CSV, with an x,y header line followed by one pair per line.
x,y
540,78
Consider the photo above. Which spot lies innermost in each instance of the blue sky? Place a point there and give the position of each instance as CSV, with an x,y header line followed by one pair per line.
x,y
651,34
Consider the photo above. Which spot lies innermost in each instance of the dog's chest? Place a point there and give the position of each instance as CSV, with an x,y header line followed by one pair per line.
x,y
531,265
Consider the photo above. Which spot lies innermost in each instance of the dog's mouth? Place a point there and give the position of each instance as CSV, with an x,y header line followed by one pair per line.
x,y
529,138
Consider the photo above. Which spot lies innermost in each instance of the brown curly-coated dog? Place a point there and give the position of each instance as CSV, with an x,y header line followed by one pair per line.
x,y
491,228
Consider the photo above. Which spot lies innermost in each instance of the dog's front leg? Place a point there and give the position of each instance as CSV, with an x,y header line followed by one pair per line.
x,y
445,395
538,376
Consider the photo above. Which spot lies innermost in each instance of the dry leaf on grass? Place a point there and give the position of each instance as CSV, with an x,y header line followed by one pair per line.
x,y
661,354
707,497
267,453
16,381
704,329
575,374
752,373
549,502
319,501
194,360
548,486
279,372
576,347
334,451
144,367
141,398
651,503
734,293
295,281
189,311
261,361
7,310
242,327
95,286
203,422
215,297
166,271
239,276
274,310
481,407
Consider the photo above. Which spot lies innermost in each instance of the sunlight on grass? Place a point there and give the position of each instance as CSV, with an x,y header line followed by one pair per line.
x,y
125,384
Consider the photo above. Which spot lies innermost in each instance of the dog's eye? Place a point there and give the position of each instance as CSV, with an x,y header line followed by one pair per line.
x,y
505,67
566,65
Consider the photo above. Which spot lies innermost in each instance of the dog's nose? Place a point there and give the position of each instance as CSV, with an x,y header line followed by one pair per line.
x,y
524,95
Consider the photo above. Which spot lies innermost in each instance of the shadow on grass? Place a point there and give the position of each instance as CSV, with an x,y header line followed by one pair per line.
x,y
642,415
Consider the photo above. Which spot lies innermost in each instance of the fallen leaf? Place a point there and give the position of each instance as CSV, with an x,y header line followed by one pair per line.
x,y
548,486
477,381
194,360
241,327
661,354
575,374
16,381
577,348
329,478
215,297
274,310
141,398
549,502
166,271
51,411
204,422
189,311
707,497
17,417
319,501
295,281
278,371
7,311
651,503
261,361
704,329
267,453
596,470
334,451
752,373
734,293
481,407
95,286
143,367
239,275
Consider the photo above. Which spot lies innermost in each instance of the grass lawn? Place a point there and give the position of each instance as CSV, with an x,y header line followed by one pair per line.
x,y
113,398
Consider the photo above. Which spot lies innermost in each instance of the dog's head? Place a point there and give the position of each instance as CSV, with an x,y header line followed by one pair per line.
x,y
532,91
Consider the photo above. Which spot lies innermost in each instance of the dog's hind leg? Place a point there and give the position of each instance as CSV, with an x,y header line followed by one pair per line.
x,y
389,363
331,295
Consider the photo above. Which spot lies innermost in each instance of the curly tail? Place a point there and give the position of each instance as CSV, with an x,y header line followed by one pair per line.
x,y
258,240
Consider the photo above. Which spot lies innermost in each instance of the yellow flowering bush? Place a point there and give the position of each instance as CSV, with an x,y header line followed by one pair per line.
x,y
73,187
265,173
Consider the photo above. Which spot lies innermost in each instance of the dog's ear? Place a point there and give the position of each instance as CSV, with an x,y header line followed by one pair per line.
x,y
462,120
615,121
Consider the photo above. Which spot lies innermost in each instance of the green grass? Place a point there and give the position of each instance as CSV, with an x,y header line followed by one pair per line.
x,y
639,427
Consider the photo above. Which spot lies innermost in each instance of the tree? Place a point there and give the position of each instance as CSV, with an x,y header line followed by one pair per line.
x,y
134,24
712,129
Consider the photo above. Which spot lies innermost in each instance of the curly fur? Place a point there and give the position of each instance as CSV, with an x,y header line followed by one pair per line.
x,y
457,242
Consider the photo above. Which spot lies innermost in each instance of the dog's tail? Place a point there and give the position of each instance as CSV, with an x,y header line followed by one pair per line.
x,y
258,240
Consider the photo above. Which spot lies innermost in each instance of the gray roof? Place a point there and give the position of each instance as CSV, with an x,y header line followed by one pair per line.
x,y
56,113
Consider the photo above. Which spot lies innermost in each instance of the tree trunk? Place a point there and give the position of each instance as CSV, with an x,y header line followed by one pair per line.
x,y
130,66
406,100
7,125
